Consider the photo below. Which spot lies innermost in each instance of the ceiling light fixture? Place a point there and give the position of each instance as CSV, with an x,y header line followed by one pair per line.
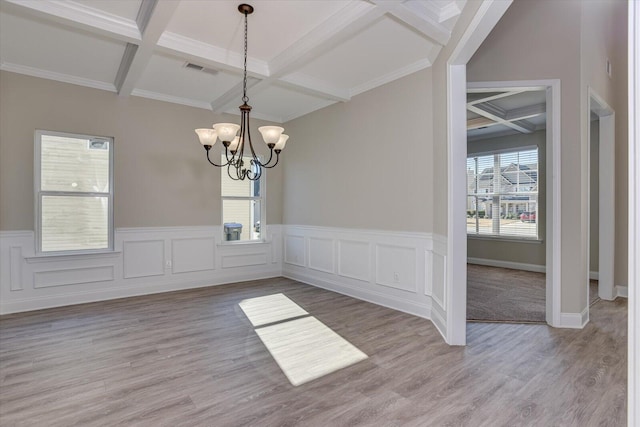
x,y
234,145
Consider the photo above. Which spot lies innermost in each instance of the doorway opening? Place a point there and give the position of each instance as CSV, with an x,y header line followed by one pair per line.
x,y
506,204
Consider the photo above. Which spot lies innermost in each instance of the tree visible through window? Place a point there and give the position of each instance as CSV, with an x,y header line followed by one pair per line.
x,y
74,192
502,194
241,207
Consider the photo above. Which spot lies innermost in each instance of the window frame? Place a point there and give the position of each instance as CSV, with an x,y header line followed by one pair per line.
x,y
39,194
510,237
261,198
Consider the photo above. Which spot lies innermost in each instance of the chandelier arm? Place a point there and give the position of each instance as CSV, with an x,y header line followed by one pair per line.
x,y
267,166
214,164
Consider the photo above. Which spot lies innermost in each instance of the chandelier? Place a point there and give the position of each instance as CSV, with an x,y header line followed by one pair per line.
x,y
234,144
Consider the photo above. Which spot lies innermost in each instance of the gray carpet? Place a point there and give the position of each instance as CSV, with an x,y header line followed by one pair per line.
x,y
504,295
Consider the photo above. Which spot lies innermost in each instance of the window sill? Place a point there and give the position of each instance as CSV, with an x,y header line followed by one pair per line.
x,y
243,243
71,256
506,239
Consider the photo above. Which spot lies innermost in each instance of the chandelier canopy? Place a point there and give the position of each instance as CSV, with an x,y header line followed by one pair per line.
x,y
234,144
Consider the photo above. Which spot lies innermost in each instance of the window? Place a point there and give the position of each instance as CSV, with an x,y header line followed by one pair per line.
x,y
242,207
74,192
502,194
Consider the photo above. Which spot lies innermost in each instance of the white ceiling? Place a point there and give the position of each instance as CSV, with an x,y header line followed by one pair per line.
x,y
493,114
303,55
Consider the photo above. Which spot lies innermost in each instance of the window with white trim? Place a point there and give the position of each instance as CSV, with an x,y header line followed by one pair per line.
x,y
242,207
502,194
74,192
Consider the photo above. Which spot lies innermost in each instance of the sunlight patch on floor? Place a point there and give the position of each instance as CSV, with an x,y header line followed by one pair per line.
x,y
304,348
270,309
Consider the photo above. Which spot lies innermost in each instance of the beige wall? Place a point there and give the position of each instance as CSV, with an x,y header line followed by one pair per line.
x,y
543,40
365,163
520,252
161,174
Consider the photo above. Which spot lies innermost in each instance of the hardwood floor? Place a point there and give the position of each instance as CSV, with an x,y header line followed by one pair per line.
x,y
192,358
504,295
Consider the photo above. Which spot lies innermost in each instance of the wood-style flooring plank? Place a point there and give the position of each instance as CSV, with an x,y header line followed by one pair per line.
x,y
192,358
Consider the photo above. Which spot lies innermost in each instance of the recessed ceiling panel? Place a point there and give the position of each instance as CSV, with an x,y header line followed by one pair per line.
x,y
384,48
54,48
169,76
285,104
123,8
273,26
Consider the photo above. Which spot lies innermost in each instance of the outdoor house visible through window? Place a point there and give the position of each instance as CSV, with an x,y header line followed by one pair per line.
x,y
74,192
502,194
242,206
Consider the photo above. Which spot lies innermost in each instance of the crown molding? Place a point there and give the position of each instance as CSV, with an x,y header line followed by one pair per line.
x,y
51,75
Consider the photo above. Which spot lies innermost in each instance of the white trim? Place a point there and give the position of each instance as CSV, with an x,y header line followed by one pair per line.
x,y
84,17
172,99
606,192
59,77
574,320
594,275
633,375
507,264
622,291
487,16
394,75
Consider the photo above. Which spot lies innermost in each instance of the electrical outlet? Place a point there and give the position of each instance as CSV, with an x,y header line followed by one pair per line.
x,y
396,277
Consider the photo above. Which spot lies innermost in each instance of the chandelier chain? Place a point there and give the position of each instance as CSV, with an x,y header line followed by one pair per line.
x,y
245,98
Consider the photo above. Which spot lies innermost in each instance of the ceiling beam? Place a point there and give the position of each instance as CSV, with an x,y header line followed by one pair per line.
x,y
479,122
153,18
498,115
338,28
494,97
78,15
423,24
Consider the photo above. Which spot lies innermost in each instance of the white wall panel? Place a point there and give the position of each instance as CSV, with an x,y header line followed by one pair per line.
x,y
396,267
440,277
72,276
321,254
192,254
244,260
143,258
354,259
294,250
15,267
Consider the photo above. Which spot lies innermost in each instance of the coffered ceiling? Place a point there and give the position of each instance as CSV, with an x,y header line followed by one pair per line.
x,y
303,54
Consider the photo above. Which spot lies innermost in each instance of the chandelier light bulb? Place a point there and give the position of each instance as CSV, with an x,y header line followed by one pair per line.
x,y
207,136
281,142
226,131
233,147
271,134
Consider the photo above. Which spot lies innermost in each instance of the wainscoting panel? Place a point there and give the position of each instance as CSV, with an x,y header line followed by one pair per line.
x,y
244,260
321,254
381,267
396,267
294,253
192,254
15,267
73,276
144,261
143,258
354,259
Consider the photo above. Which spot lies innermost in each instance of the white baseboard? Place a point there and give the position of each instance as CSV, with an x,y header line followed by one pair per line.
x,y
574,320
73,298
594,275
622,291
404,305
508,264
